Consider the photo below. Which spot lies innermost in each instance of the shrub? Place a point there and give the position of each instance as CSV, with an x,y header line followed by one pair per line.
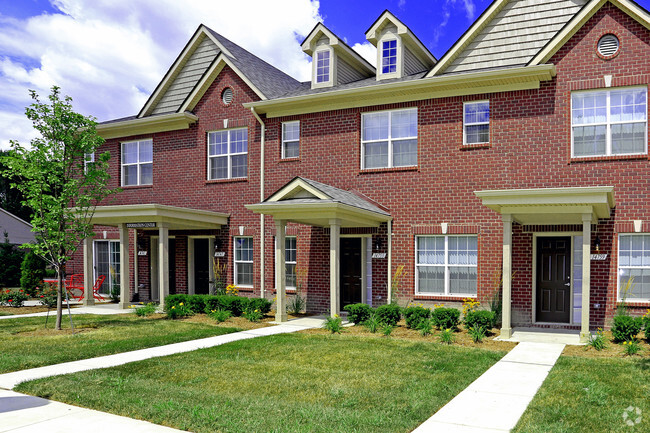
x,y
333,324
646,325
173,300
477,333
480,319
14,298
220,315
414,315
445,318
625,328
11,258
145,310
253,315
32,273
358,313
262,304
235,304
424,326
178,311
388,314
196,303
47,295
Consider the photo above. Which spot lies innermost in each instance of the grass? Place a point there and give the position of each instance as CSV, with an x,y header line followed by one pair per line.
x,y
590,395
289,383
25,343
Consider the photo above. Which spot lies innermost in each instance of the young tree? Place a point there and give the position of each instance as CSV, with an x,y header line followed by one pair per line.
x,y
60,189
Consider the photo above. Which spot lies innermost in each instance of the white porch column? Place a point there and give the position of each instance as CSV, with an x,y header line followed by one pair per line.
x,y
89,279
506,329
124,266
163,262
335,266
280,280
586,276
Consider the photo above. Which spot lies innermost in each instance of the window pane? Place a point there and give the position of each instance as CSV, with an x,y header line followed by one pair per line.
x,y
431,279
389,57
589,140
239,165
477,134
405,153
375,126
290,249
146,151
146,174
245,274
628,138
322,66
218,143
219,167
462,280
477,112
589,107
376,155
130,175
404,124
130,153
431,250
290,275
238,140
291,131
291,149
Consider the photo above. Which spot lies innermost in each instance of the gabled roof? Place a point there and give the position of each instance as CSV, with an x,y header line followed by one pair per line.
x,y
408,37
204,49
18,231
342,49
509,33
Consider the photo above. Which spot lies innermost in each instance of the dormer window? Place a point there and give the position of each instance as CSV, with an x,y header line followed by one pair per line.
x,y
389,57
323,66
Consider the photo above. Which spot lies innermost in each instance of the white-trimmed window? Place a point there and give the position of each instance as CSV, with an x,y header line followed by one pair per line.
x,y
446,265
291,139
609,122
634,262
476,122
137,162
243,275
389,139
89,158
290,260
323,63
389,57
228,154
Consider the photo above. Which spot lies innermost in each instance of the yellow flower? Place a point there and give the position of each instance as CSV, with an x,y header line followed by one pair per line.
x,y
174,307
180,304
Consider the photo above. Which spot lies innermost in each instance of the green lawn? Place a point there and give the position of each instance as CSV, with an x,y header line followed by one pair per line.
x,y
283,383
590,395
24,343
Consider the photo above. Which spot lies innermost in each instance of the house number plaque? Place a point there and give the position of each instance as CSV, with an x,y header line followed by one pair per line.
x,y
599,257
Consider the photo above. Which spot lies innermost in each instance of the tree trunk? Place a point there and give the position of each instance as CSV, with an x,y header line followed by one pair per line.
x,y
59,299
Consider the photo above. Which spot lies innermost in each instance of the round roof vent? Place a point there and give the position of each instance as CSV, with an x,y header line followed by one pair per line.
x,y
608,45
226,95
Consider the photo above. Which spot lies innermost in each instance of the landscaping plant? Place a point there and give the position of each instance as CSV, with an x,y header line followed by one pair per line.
x,y
415,314
220,315
631,347
47,296
477,333
387,329
646,324
597,341
145,310
424,326
445,318
388,314
14,298
626,328
253,315
479,319
11,258
372,322
178,311
333,324
32,272
447,336
358,313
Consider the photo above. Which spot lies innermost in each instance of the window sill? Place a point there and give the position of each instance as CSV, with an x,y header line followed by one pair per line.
x,y
389,169
217,181
127,187
475,146
245,288
635,304
459,298
574,159
295,159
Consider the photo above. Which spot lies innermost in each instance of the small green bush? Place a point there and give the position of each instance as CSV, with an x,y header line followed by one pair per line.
x,y
235,304
32,272
358,313
178,311
333,324
220,315
646,325
47,295
414,315
372,322
480,319
145,310
389,314
477,333
424,326
446,318
626,328
173,300
262,304
13,298
447,335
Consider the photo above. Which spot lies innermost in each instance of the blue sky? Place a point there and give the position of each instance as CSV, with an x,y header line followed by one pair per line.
x,y
108,55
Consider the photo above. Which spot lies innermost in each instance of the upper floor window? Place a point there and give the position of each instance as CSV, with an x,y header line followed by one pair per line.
x,y
137,163
609,122
389,56
228,154
446,265
291,139
634,266
389,139
476,122
89,158
322,66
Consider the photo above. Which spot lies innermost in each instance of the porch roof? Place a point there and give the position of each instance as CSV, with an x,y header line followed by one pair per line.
x,y
542,206
314,203
173,217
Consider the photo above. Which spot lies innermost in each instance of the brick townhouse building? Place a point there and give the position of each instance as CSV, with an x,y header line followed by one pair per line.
x,y
516,165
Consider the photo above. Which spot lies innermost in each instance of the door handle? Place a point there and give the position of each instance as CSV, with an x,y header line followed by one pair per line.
x,y
567,284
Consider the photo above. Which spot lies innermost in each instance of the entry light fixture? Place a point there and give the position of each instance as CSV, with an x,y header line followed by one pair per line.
x,y
217,244
378,244
597,244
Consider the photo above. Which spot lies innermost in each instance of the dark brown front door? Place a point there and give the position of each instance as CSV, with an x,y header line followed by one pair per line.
x,y
201,266
350,271
553,279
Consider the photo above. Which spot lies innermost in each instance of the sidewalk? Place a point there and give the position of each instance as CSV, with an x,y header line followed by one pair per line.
x,y
495,401
101,309
21,413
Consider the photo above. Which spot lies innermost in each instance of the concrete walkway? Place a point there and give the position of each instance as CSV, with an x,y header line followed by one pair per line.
x,y
495,401
101,309
21,413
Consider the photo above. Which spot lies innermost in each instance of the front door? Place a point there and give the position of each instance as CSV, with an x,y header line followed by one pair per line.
x,y
201,266
350,271
553,279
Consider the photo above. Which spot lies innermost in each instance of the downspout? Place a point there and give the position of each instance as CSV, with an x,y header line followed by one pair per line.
x,y
389,225
262,234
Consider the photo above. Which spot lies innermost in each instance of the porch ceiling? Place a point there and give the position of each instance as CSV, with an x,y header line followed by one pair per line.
x,y
543,206
174,218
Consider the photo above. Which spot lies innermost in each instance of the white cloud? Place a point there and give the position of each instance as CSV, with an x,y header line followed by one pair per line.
x,y
468,6
110,54
366,50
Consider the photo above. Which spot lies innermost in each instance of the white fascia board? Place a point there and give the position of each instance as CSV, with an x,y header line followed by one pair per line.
x,y
146,125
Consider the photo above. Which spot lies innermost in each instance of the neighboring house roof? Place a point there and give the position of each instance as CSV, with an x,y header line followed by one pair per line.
x,y
18,231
